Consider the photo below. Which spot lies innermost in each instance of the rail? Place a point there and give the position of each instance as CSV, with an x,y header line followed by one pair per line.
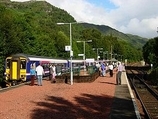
x,y
147,96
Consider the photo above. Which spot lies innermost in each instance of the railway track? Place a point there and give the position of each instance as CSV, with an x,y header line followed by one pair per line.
x,y
145,93
148,99
16,85
7,88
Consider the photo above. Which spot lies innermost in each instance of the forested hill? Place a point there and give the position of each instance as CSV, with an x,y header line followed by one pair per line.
x,y
31,28
62,16
135,40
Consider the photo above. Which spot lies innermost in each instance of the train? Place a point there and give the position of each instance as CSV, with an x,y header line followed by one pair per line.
x,y
17,66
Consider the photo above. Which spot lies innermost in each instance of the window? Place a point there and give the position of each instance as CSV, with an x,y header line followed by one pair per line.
x,y
8,64
23,64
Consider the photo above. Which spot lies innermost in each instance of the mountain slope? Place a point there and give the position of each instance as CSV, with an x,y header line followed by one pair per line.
x,y
50,12
135,40
33,24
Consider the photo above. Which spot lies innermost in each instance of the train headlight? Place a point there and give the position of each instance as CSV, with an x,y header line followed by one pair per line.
x,y
5,74
23,77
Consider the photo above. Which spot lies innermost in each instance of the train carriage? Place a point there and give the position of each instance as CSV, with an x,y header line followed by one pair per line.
x,y
17,66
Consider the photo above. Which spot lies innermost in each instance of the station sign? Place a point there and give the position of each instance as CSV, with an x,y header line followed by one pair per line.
x,y
67,48
80,54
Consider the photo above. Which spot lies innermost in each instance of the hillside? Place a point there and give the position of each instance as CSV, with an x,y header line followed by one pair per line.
x,y
31,28
135,40
50,12
62,15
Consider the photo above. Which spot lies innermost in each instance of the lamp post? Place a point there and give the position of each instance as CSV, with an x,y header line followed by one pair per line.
x,y
97,52
115,56
71,52
84,51
121,58
105,57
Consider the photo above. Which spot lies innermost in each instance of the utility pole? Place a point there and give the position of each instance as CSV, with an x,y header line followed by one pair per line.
x,y
111,53
71,51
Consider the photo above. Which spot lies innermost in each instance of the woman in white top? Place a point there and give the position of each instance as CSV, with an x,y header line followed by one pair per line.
x,y
53,73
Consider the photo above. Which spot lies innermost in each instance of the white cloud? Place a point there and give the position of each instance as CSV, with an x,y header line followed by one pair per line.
x,y
83,11
138,17
144,27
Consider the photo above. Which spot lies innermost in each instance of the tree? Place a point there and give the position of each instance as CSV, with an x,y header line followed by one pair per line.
x,y
150,52
61,41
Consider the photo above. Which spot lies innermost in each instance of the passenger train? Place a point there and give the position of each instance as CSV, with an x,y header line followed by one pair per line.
x,y
17,66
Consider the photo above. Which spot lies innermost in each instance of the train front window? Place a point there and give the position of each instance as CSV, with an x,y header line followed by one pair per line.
x,y
23,64
8,64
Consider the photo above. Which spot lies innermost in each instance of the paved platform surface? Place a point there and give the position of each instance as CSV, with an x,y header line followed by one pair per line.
x,y
124,106
101,99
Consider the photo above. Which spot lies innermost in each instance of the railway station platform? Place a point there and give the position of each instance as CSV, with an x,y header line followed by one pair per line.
x,y
100,99
124,105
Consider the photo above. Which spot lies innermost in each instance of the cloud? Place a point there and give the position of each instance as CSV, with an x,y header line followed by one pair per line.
x,y
144,27
84,11
137,17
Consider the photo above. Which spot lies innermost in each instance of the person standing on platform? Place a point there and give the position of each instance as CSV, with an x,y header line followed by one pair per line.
x,y
33,74
40,73
119,73
111,69
97,66
50,72
53,73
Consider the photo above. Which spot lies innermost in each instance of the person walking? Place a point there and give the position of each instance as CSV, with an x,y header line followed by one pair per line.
x,y
103,69
33,74
40,73
119,73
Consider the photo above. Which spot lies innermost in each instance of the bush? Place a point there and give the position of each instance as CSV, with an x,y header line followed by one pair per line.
x,y
153,76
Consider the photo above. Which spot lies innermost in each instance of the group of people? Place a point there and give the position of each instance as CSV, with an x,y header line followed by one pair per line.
x,y
103,67
38,73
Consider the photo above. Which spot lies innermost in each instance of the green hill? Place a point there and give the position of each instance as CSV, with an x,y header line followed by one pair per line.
x,y
44,10
134,40
31,28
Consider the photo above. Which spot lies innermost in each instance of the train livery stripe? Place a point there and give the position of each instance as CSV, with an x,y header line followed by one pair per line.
x,y
28,74
49,60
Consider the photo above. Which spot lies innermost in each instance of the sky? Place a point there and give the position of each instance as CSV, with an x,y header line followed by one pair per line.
x,y
137,17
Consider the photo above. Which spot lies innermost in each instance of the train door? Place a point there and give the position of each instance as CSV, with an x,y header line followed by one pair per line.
x,y
23,69
15,69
